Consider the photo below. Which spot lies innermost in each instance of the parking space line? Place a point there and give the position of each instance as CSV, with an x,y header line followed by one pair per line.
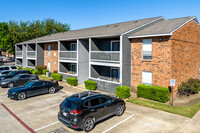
x,y
46,126
118,124
37,110
18,119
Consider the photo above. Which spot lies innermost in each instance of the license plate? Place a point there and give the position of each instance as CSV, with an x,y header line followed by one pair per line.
x,y
65,114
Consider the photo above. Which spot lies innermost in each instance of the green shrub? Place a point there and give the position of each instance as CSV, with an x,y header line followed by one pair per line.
x,y
123,91
156,93
44,71
57,76
19,68
29,69
36,72
72,81
90,85
192,86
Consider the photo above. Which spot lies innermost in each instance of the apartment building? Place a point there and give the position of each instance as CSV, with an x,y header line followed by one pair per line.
x,y
150,51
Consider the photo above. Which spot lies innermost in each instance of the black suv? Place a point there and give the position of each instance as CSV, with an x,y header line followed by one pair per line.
x,y
83,110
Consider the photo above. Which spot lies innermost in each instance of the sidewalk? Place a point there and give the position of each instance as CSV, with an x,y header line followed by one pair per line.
x,y
191,126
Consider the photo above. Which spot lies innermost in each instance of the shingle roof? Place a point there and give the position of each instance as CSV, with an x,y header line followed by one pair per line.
x,y
162,27
111,29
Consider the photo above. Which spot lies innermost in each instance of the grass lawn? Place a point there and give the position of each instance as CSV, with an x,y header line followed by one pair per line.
x,y
44,77
188,111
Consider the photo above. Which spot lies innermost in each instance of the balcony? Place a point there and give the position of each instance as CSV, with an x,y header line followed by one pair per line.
x,y
105,56
68,55
31,54
19,54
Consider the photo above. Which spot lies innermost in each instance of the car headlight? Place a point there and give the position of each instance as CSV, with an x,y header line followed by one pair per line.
x,y
3,82
13,93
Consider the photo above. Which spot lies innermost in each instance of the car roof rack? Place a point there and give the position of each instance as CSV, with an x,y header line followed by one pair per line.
x,y
84,94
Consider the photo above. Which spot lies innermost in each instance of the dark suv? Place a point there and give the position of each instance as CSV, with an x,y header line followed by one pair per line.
x,y
83,110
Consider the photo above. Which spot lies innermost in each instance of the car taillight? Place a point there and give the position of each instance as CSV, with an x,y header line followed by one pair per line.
x,y
60,105
75,112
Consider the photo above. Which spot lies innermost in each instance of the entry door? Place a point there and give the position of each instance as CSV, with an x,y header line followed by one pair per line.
x,y
49,66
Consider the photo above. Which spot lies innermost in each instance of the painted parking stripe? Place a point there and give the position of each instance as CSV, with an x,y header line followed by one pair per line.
x,y
18,119
118,124
37,110
46,126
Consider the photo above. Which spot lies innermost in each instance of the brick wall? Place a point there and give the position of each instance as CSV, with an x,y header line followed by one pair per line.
x,y
185,52
53,58
160,65
174,57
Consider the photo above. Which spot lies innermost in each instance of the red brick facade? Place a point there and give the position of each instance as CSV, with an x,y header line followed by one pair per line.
x,y
53,58
174,57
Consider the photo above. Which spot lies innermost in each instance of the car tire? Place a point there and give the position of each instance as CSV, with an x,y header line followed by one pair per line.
x,y
88,125
120,109
21,96
52,90
10,85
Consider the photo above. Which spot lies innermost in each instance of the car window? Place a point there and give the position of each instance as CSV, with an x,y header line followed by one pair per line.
x,y
13,67
104,100
45,82
94,102
29,84
87,104
69,104
1,68
38,84
6,72
6,68
24,76
17,76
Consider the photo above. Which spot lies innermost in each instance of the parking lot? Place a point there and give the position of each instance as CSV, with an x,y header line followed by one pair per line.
x,y
40,112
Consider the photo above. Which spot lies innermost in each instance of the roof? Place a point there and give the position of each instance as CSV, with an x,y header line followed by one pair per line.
x,y
164,27
105,30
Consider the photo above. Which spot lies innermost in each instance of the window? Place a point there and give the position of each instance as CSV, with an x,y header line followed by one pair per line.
x,y
1,68
38,84
147,78
86,104
115,46
24,76
94,102
49,49
6,72
73,47
115,74
13,67
147,49
6,68
105,100
73,68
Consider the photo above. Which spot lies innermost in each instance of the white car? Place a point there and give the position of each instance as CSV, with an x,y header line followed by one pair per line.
x,y
11,67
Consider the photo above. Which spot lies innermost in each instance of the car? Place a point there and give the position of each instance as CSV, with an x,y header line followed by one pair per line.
x,y
33,88
18,80
12,74
5,72
83,110
11,67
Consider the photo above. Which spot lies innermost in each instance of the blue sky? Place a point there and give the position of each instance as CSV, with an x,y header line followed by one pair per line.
x,y
89,13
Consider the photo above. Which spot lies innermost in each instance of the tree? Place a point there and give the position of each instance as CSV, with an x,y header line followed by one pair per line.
x,y
14,32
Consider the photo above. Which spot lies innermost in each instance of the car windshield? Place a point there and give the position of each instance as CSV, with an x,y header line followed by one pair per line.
x,y
17,76
69,104
11,73
29,84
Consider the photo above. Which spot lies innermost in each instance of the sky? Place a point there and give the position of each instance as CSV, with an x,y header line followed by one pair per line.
x,y
89,13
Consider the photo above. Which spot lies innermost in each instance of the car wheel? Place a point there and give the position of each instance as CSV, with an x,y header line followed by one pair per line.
x,y
88,125
52,90
21,96
10,85
119,110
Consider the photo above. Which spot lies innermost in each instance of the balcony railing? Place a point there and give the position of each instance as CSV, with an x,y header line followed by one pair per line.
x,y
18,53
105,55
31,54
68,55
